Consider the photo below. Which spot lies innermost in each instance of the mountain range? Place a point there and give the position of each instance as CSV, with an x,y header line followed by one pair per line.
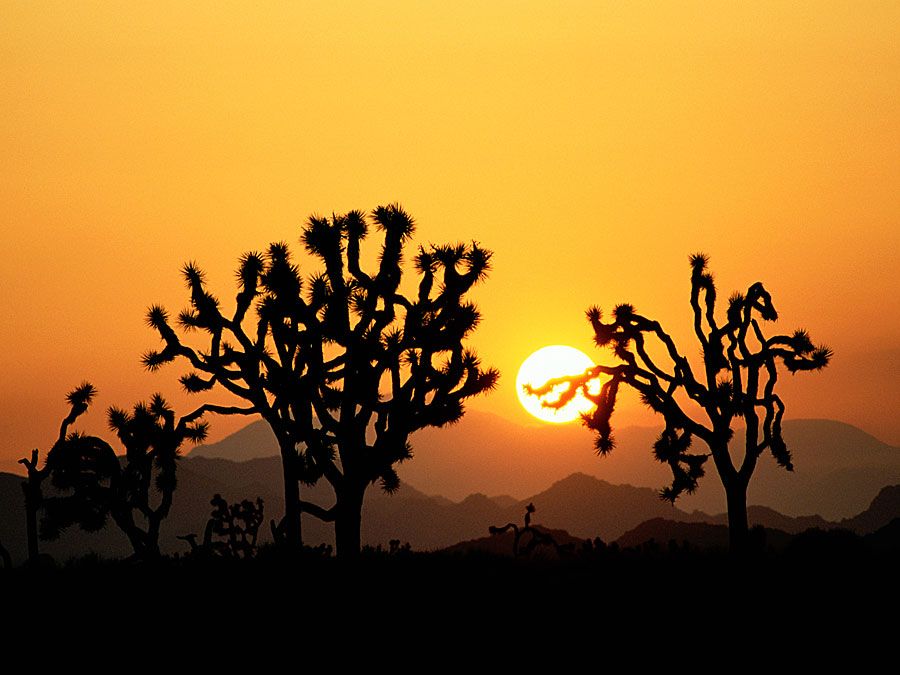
x,y
837,467
582,505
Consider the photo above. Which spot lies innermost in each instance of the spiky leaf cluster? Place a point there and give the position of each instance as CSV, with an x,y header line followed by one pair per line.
x,y
737,379
92,484
341,362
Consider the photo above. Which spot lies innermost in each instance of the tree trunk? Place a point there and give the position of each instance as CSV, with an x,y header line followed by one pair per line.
x,y
348,520
738,527
141,542
291,527
31,509
151,546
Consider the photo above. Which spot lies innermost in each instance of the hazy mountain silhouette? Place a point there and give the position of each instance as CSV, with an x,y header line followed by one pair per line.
x,y
881,512
254,441
768,518
837,466
886,537
588,507
700,535
581,505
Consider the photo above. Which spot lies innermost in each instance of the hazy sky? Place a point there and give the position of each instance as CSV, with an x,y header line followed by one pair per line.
x,y
591,145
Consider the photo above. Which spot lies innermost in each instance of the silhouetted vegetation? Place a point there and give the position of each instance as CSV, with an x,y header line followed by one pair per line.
x,y
79,399
737,383
92,484
343,367
533,537
231,530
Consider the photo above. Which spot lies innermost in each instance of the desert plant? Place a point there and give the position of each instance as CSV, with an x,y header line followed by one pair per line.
x,y
345,369
231,531
533,537
92,484
737,382
79,400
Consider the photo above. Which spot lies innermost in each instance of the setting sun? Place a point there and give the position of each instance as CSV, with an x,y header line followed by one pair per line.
x,y
545,364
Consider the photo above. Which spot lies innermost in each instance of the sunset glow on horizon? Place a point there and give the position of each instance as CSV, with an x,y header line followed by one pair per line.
x,y
591,146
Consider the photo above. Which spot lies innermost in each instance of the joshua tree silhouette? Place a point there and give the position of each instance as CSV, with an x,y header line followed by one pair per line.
x,y
93,484
346,369
737,382
79,399
535,537
152,437
235,525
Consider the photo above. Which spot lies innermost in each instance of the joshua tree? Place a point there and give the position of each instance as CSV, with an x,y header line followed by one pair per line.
x,y
235,525
79,399
92,483
536,537
737,381
152,437
347,368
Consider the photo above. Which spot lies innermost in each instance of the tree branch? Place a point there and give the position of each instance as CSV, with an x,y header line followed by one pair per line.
x,y
325,515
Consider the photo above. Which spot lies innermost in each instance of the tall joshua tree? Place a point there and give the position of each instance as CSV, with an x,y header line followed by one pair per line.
x,y
343,367
737,382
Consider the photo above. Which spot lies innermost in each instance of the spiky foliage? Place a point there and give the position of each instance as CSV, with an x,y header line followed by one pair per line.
x,y
736,382
231,530
92,484
342,365
79,399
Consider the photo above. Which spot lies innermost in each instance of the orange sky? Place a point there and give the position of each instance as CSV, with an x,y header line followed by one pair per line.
x,y
591,145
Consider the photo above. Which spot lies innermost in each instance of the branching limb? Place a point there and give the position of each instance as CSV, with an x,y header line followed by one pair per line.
x,y
325,515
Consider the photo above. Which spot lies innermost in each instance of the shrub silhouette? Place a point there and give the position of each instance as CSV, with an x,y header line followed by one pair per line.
x,y
738,378
343,367
235,528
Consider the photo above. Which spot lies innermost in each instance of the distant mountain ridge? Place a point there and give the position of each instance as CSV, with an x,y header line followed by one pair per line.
x,y
838,467
581,505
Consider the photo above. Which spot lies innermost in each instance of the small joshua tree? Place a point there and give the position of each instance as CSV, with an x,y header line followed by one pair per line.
x,y
152,437
79,399
235,526
737,382
92,484
534,538
345,369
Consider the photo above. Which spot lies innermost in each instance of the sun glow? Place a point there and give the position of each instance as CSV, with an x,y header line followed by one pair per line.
x,y
548,363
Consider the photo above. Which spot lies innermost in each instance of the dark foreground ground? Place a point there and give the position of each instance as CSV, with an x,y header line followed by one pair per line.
x,y
821,592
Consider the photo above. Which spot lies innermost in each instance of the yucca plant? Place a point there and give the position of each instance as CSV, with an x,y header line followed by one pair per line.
x,y
736,383
342,365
